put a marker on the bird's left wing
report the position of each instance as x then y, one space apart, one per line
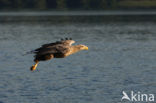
53 47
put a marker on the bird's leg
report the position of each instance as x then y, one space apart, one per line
34 66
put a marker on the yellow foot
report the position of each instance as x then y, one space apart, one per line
33 68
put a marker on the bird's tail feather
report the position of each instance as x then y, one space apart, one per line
29 52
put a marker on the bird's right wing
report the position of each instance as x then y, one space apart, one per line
66 42
57 49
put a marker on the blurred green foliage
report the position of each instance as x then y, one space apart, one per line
74 4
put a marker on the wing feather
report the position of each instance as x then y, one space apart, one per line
52 50
54 45
57 48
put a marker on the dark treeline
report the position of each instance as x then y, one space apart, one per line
66 4
56 4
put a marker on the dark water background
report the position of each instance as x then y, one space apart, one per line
121 56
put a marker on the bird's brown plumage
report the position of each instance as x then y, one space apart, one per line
59 49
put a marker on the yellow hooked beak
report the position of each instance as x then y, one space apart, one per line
85 48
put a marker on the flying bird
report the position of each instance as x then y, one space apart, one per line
59 49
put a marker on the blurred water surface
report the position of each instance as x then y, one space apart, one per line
121 56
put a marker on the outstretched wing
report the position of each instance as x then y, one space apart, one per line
56 47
